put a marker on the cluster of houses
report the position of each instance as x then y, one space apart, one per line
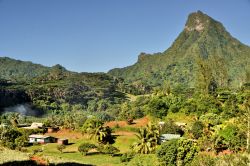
41 139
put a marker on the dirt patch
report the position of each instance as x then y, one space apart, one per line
125 133
137 123
66 133
38 160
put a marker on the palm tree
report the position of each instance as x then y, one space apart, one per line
148 139
104 135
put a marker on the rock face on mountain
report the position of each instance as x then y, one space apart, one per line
203 45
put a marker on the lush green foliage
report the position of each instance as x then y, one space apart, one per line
147 139
167 153
171 128
230 137
126 157
108 149
197 129
177 152
85 147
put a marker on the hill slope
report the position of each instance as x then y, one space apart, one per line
203 42
22 82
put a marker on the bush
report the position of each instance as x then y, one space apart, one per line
144 160
158 108
230 137
171 128
85 147
108 149
235 159
126 157
204 159
21 142
197 129
35 151
167 153
61 147
177 152
187 150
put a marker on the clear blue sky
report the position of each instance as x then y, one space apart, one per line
98 35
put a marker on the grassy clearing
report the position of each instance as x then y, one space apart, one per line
123 142
125 136
71 154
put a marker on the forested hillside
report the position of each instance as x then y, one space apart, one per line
204 53
22 82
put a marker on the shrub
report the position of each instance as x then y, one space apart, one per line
61 147
230 137
177 152
144 160
187 150
126 157
197 129
167 153
203 159
85 147
21 142
108 149
171 128
35 151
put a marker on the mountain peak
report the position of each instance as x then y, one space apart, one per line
197 21
204 39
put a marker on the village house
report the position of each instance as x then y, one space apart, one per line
42 139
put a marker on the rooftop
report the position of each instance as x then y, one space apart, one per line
39 136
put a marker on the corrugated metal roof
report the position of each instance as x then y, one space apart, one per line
39 136
169 136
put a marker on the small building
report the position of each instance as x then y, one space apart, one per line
63 141
167 137
42 139
52 129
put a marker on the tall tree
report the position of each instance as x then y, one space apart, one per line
147 139
204 76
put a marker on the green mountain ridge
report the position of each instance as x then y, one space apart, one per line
203 40
22 82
